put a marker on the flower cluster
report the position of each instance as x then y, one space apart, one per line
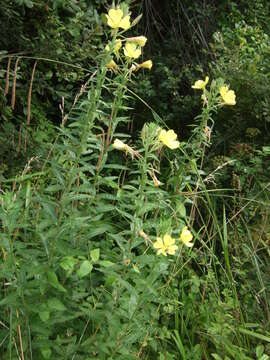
227 96
166 244
132 50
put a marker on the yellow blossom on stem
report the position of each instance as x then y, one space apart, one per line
165 245
132 51
116 19
112 65
186 237
120 145
201 84
138 40
168 138
228 96
146 64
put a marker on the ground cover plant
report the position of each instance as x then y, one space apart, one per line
121 244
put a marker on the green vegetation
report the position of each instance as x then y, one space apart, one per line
134 180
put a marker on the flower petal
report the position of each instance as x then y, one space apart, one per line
172 249
161 252
139 40
131 50
125 23
168 240
229 98
158 244
171 135
173 144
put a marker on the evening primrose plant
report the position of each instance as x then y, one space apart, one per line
213 96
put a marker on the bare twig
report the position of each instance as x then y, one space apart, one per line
14 84
7 76
30 94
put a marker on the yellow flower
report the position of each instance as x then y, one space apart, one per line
112 65
119 145
146 64
168 138
200 84
138 40
131 50
116 19
227 95
165 246
186 237
117 46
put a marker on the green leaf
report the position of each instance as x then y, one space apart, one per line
56 305
106 263
46 352
44 315
216 357
68 263
10 299
179 344
180 208
95 254
99 228
254 334
53 280
259 351
132 305
85 268
266 150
